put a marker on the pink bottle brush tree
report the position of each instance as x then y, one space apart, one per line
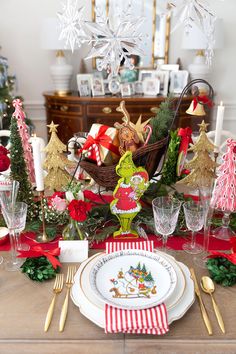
224 194
23 131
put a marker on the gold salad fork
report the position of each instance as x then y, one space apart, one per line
69 282
57 288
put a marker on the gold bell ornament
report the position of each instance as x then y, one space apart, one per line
196 111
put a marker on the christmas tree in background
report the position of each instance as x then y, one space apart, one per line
224 195
7 84
23 131
18 165
202 166
55 162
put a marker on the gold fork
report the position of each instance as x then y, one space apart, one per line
69 282
57 288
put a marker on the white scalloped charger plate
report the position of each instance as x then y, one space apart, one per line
133 279
93 308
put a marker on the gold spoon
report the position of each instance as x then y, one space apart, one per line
208 287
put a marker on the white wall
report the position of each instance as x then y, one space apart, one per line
20 22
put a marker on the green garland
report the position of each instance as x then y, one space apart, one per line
162 121
169 175
39 269
222 271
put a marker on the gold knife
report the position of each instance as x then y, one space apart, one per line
202 307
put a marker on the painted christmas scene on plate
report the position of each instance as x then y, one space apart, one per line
133 283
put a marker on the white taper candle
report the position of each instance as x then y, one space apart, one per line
42 146
219 124
37 164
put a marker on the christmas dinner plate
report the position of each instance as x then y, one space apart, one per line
133 279
93 308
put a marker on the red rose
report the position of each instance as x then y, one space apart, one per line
55 194
78 209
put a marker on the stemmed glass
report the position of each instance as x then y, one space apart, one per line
166 213
8 194
194 216
8 197
15 217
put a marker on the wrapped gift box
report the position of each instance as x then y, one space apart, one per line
102 145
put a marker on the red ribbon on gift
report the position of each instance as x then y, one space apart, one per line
38 251
186 138
203 100
100 139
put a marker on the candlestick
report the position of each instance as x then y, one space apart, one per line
38 169
219 124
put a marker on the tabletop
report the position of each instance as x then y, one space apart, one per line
24 305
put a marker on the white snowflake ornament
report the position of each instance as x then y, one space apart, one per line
113 42
72 25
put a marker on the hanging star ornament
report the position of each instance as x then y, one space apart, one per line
198 12
189 11
114 41
72 25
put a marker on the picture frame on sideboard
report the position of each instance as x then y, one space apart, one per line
84 82
163 77
178 80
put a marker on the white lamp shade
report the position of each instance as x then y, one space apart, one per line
50 33
196 39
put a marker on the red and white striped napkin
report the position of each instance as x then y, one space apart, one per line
148 321
118 246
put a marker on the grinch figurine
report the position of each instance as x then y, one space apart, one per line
129 189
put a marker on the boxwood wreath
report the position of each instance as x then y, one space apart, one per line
222 271
39 269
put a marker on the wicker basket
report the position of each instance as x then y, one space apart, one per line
148 156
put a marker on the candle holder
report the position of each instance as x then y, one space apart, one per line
43 237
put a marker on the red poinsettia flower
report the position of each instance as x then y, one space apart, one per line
78 209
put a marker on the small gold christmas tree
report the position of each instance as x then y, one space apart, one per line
55 161
202 166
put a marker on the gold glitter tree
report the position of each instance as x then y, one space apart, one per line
55 161
202 166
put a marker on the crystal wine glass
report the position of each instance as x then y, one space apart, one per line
194 216
8 197
8 194
15 217
166 213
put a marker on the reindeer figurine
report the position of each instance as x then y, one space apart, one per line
128 136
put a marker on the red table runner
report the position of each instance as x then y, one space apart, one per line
174 242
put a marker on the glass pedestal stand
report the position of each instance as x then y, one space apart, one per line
224 232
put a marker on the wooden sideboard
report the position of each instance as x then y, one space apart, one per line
77 114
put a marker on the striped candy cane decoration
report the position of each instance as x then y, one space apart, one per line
97 153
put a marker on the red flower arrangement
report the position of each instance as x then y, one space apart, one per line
78 209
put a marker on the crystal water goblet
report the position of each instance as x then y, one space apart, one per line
194 216
166 212
15 218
